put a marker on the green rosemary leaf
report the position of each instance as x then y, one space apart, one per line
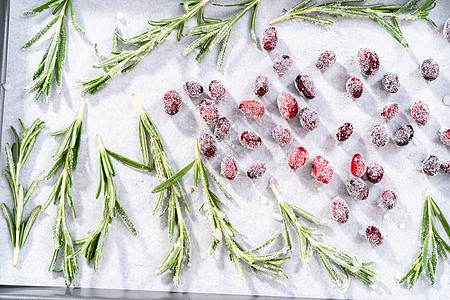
42 7
30 222
33 186
125 218
9 221
437 212
40 33
170 181
128 162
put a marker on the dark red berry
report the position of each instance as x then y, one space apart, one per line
229 167
261 85
404 135
354 87
375 172
305 86
269 39
252 109
322 170
250 140
287 105
389 111
388 199
445 137
358 165
207 145
222 128
367 61
217 90
256 169
446 29
283 135
297 158
445 166
193 88
344 132
172 102
429 69
282 64
420 112
339 210
209 111
380 135
390 82
431 165
358 189
326 60
309 119
374 236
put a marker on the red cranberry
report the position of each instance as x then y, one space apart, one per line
229 167
261 85
193 89
250 140
358 189
305 86
172 102
256 169
287 105
354 87
282 64
297 158
358 165
222 128
420 112
217 90
445 166
375 172
446 29
367 61
207 145
208 111
404 135
309 119
322 170
388 199
445 137
431 165
339 210
390 82
374 236
269 39
389 111
344 132
380 135
429 69
283 135
252 109
326 60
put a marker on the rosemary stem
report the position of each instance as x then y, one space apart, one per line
197 151
100 143
138 105
16 252
80 113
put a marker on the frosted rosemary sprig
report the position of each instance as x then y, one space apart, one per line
385 14
54 56
215 31
66 158
221 226
329 255
125 61
432 243
16 156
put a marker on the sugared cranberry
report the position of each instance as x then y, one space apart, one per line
390 82
229 167
358 189
207 145
326 60
261 85
209 111
217 90
429 69
269 39
339 210
322 170
367 61
445 166
344 132
445 137
380 135
358 165
374 236
256 169
305 86
431 165
404 135
446 29
297 158
283 135
250 140
252 109
309 119
172 102
287 105
193 89
388 199
389 111
222 128
354 87
282 64
420 112
375 172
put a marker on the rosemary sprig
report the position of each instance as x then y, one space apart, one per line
379 12
432 243
66 158
221 226
215 31
54 56
16 156
346 263
125 61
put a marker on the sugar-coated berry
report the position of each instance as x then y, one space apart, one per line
358 189
388 199
282 64
420 112
389 111
446 30
375 172
339 210
287 105
367 61
283 135
209 111
429 69
250 140
390 82
193 89
305 86
380 135
252 109
445 166
269 39
354 87
404 135
297 158
358 165
256 169
309 119
431 165
322 170
374 236
326 60
344 132
229 167
207 145
222 128
261 85
445 137
172 102
217 90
